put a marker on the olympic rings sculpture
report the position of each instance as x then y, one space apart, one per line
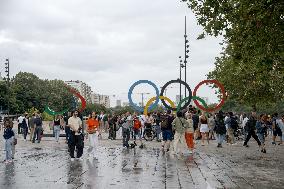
154 98
192 96
74 92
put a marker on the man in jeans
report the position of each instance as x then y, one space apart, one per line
251 128
32 126
126 124
38 128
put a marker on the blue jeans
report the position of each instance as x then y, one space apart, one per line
56 129
8 148
220 138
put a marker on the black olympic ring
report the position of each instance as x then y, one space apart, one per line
181 82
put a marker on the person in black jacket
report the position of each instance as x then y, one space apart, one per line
250 128
220 128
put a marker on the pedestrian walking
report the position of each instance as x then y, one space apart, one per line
38 128
189 133
232 125
179 126
167 131
211 127
15 130
32 126
9 140
20 122
126 123
92 129
220 128
158 126
25 127
204 129
112 127
261 126
195 119
251 128
277 124
136 129
57 127
76 138
67 128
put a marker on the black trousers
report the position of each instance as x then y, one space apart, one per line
252 134
112 132
78 142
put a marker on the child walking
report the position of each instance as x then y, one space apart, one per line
9 140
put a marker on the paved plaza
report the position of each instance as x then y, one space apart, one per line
47 165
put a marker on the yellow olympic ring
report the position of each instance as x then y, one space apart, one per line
154 98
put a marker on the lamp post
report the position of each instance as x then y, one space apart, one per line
186 51
7 70
180 67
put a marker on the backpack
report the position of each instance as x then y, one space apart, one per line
137 124
220 127
234 123
164 121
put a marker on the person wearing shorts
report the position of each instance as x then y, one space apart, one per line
167 131
204 129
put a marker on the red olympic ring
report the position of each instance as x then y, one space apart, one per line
222 99
83 101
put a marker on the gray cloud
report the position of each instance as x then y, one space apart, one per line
108 44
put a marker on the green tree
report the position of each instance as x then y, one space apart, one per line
251 66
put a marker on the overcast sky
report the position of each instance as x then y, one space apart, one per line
109 44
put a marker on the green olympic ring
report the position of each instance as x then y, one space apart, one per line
193 98
54 113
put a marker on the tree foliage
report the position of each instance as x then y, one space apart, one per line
251 66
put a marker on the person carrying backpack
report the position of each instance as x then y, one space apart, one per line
232 125
167 132
220 128
277 124
38 129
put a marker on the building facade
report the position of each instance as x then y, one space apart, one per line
84 89
100 99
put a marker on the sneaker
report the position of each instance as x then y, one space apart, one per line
245 145
72 159
190 152
234 144
25 140
264 151
274 143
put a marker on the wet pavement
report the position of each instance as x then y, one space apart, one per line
47 165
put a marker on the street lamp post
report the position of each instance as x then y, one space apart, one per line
186 51
7 70
180 67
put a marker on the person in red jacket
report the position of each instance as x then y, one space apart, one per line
136 128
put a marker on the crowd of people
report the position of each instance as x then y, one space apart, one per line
178 132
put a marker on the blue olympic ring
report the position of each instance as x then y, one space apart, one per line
138 108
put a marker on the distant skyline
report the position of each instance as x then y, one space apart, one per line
107 44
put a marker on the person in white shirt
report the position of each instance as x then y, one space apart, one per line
20 122
76 136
